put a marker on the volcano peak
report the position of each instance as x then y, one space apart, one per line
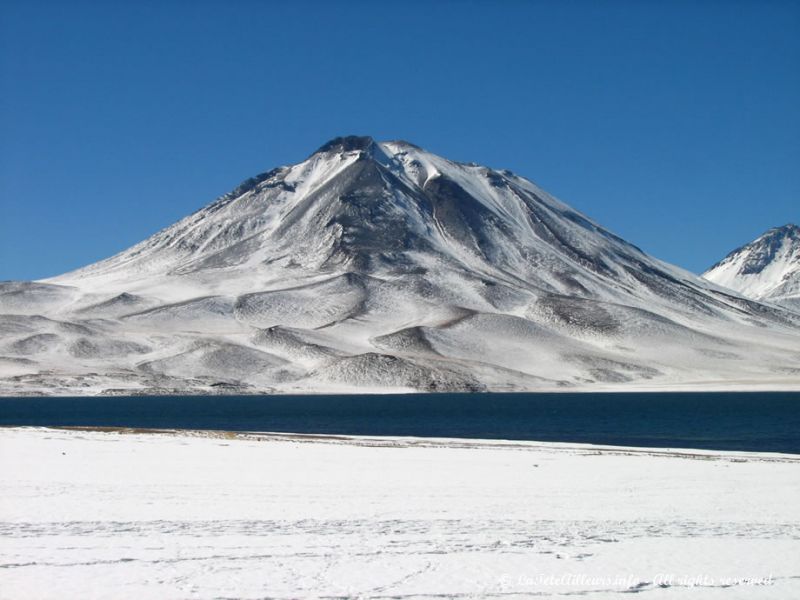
347 143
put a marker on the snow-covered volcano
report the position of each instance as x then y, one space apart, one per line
380 266
768 268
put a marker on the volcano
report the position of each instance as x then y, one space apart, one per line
379 266
768 268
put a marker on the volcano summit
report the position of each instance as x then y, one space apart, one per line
766 269
378 266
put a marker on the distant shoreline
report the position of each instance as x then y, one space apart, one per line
756 388
418 442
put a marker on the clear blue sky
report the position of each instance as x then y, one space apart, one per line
674 124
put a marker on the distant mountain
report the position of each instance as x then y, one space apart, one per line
379 266
767 268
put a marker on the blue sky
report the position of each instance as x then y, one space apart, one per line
674 124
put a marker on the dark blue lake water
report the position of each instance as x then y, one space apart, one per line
755 421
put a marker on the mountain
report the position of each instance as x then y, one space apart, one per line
379 266
767 268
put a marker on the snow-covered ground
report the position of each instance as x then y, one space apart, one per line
90 514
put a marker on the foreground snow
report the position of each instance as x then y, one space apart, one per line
88 514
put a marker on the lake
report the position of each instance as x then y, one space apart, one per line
751 421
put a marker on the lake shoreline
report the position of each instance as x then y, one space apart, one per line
433 443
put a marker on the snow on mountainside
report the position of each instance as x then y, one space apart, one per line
767 268
381 266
